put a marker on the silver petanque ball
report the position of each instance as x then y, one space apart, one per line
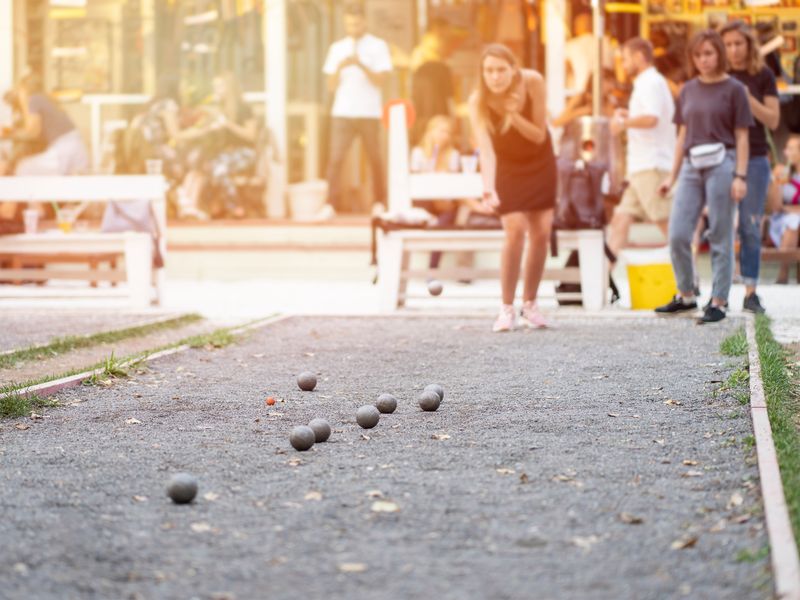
368 416
182 488
429 401
386 403
435 287
436 388
321 429
307 381
302 437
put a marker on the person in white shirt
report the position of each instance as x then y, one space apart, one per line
356 67
651 143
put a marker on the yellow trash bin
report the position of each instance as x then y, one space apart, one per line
651 285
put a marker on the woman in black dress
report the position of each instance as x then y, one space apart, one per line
507 112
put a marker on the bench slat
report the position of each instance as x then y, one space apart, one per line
79 188
115 276
565 275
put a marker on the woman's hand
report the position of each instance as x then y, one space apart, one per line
512 102
779 174
490 200
738 189
666 186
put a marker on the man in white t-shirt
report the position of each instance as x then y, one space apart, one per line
356 67
651 144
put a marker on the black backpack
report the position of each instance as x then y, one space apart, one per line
580 199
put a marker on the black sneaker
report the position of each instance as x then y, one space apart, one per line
676 305
752 303
712 314
708 304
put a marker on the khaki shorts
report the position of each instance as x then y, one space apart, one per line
641 199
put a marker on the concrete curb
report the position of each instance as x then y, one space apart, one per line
56 385
783 548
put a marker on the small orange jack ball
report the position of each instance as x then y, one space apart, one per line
270 401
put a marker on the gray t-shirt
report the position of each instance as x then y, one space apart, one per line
55 121
712 111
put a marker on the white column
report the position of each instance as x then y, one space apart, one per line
555 70
6 55
275 48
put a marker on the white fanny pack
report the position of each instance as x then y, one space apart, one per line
706 156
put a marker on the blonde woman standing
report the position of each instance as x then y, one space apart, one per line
507 112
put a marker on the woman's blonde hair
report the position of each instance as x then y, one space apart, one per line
428 146
503 53
754 60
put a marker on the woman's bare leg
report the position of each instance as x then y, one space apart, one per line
539 223
514 226
788 242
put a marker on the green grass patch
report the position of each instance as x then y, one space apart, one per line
748 556
735 344
783 407
216 339
63 345
17 405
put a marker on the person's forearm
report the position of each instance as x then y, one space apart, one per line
488 163
742 151
528 129
374 77
765 114
641 122
245 132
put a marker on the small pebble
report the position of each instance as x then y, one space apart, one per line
429 401
302 437
307 381
368 416
435 387
321 428
435 287
182 488
386 403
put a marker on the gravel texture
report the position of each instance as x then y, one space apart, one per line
526 483
23 328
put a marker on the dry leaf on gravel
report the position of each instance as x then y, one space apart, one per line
585 543
504 471
314 495
736 500
630 519
201 527
613 414
660 442
259 355
140 498
687 541
743 518
36 417
352 567
440 436
22 426
692 473
210 496
293 462
672 402
689 463
365 437
374 494
524 478
707 434
718 526
384 506
132 421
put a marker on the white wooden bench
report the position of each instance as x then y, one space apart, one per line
395 246
144 283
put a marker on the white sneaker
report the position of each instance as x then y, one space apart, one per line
326 213
531 317
505 320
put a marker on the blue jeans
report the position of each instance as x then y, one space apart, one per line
698 188
751 213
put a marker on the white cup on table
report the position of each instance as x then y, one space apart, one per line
30 217
469 163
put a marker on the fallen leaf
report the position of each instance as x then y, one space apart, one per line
736 500
374 494
201 527
259 355
630 519
600 377
689 463
309 354
524 478
585 543
293 462
386 506
365 437
672 402
22 426
352 567
313 496
708 434
687 541
743 518
660 442
692 473
613 414
504 471
210 496
36 417
440 436
132 421
718 526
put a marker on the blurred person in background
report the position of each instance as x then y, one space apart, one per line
784 222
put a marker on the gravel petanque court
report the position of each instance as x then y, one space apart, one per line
593 460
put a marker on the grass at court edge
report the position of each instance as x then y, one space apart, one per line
782 389
63 345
